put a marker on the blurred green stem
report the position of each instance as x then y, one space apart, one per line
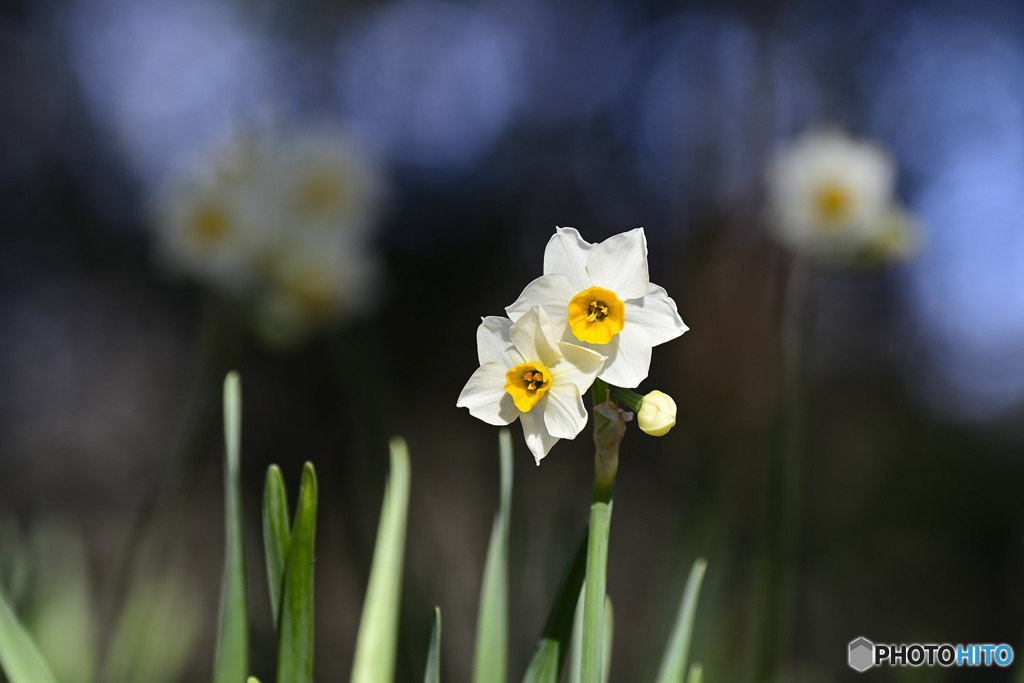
780 536
217 350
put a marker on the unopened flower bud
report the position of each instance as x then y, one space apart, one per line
657 414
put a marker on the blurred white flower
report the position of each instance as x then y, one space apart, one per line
311 284
281 222
831 197
526 373
212 229
328 181
600 295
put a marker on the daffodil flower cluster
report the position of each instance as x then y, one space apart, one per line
279 222
831 197
593 314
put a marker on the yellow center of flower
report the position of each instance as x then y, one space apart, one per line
315 297
322 191
210 226
832 204
526 384
596 315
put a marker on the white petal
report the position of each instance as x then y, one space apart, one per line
486 398
538 439
566 253
657 314
630 361
579 366
493 344
564 414
620 264
534 338
552 293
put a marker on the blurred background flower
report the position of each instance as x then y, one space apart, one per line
497 121
281 222
831 198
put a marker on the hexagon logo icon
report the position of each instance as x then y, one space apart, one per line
862 654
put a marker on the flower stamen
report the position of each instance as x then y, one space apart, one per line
596 315
526 383
832 204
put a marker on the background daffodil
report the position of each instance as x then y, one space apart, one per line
831 197
600 295
526 373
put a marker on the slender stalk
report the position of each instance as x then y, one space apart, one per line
609 428
217 349
595 591
785 478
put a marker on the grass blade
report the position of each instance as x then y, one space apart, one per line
549 655
232 658
594 595
696 673
295 632
606 645
673 666
490 663
433 674
19 656
576 652
374 660
276 537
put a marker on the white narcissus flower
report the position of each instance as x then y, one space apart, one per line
600 296
526 373
831 197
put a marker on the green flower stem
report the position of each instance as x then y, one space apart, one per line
609 428
217 351
595 591
783 502
628 398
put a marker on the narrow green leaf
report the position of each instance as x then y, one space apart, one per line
490 663
576 653
232 658
594 595
576 646
19 656
673 665
433 674
295 631
253 679
374 660
549 655
276 536
606 645
696 673
156 631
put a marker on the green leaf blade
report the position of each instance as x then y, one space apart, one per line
673 664
550 654
232 657
433 673
19 656
295 629
276 537
374 660
490 662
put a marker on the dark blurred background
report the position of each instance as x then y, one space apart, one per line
497 121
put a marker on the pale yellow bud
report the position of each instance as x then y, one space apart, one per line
657 414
